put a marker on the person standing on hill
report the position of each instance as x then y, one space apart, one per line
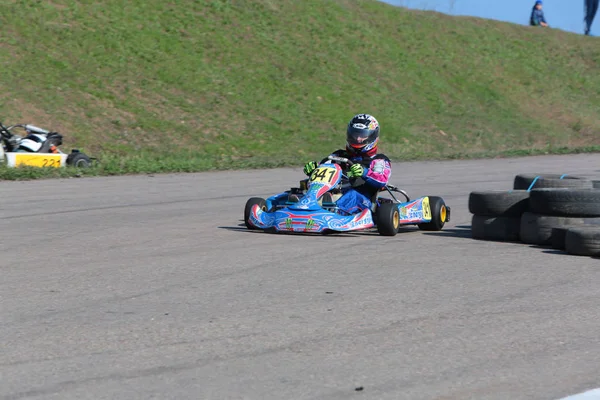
537 15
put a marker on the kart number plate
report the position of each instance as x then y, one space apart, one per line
426 209
36 160
323 175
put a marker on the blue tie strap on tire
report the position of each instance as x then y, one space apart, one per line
538 181
533 183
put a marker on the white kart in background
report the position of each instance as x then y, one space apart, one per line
37 148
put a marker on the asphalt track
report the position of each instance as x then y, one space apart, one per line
148 287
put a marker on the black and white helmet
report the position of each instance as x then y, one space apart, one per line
362 135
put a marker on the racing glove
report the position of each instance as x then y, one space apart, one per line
356 171
310 167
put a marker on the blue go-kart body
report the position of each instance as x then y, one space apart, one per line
311 208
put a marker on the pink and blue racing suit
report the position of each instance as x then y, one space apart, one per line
377 171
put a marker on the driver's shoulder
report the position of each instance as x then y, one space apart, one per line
381 156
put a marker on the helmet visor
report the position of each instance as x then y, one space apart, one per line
358 138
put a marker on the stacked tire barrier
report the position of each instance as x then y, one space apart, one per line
554 210
497 214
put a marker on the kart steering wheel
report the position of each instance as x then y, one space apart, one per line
340 160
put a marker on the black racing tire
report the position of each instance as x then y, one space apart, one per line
524 181
557 238
439 214
501 229
565 202
583 242
388 219
496 203
537 229
248 208
79 160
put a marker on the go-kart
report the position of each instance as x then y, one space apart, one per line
312 207
39 147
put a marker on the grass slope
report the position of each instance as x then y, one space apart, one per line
153 85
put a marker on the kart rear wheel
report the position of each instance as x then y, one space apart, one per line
439 214
79 160
388 219
248 209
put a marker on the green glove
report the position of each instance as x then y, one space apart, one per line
356 171
310 167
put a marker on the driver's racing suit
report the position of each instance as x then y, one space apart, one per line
377 171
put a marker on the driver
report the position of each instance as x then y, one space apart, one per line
370 171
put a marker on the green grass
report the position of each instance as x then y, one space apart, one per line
156 86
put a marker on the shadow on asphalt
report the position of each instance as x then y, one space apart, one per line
464 231
547 249
561 252
459 231
552 251
371 232
239 227
242 228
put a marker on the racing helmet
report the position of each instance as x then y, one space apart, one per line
362 135
31 143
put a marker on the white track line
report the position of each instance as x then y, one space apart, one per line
589 395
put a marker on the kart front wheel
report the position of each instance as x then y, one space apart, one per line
388 219
248 209
439 215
